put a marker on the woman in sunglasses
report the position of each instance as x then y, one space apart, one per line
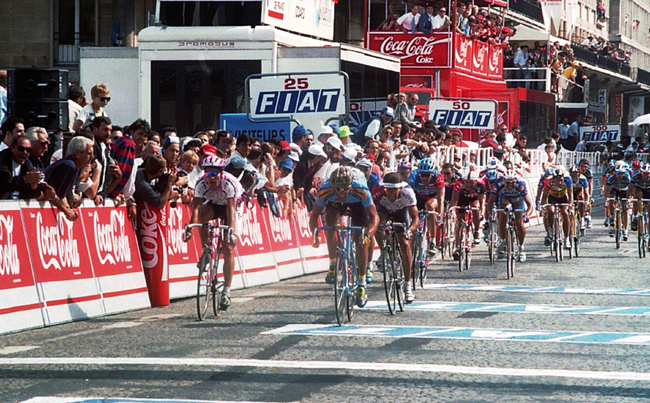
216 196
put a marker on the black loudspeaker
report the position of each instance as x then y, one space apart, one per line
37 84
52 115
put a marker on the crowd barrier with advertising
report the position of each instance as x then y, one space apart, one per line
53 270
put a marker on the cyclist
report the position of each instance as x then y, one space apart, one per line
429 187
580 193
583 167
558 189
639 188
216 196
341 195
451 177
509 190
603 181
636 169
396 201
404 170
616 187
469 191
540 187
489 179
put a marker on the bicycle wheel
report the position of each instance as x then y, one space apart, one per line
461 255
204 284
341 287
570 237
510 254
451 241
217 286
417 259
399 276
468 248
491 240
640 234
353 277
617 230
389 280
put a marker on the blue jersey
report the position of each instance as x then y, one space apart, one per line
359 193
587 173
373 180
581 183
499 189
639 183
436 183
619 184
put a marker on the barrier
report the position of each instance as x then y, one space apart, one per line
254 251
20 306
313 260
151 231
284 244
181 256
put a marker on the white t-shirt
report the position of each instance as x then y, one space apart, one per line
408 20
87 114
73 111
406 199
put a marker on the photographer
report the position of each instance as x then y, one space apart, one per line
153 168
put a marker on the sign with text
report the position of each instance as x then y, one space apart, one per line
465 114
297 95
238 123
601 133
308 17
414 49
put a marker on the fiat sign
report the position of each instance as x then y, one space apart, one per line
463 113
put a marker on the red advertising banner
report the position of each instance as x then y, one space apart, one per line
181 256
151 228
480 58
20 307
414 49
495 64
416 81
284 244
463 53
315 260
254 247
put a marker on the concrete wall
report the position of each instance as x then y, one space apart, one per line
26 32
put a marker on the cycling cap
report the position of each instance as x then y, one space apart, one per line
621 168
646 169
548 172
404 165
583 162
392 181
574 171
493 163
510 175
214 162
341 178
426 165
470 175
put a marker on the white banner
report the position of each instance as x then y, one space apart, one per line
465 114
601 133
308 17
637 106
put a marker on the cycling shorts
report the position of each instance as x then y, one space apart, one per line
558 200
422 200
400 216
622 193
357 212
516 201
220 211
465 201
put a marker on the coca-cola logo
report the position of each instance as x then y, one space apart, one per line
111 242
303 223
415 46
251 230
9 262
175 230
415 85
150 237
494 60
479 57
280 227
463 47
56 245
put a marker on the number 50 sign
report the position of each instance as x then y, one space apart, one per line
296 96
463 113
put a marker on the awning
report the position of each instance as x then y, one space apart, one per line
527 34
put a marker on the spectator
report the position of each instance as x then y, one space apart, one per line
573 134
300 136
390 23
409 21
18 178
521 143
402 113
577 94
153 168
243 147
371 128
426 22
151 149
441 22
191 144
563 128
171 153
521 62
489 141
76 101
127 148
100 97
223 141
109 170
11 128
566 81
582 145
40 141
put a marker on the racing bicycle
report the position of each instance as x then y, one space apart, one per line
421 258
391 257
642 229
466 242
511 240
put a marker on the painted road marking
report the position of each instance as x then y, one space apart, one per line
331 365
16 349
561 290
440 306
50 399
467 333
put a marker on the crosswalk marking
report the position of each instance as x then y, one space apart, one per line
441 306
552 336
562 290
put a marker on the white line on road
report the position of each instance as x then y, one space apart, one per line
333 365
16 349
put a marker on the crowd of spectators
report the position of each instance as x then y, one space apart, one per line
606 48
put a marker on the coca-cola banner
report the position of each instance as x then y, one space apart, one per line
284 243
61 264
480 58
463 53
254 247
416 81
151 230
414 49
314 259
495 64
115 258
182 256
19 304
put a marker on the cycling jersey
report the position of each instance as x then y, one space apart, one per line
587 173
556 191
542 180
228 188
406 199
359 193
449 186
639 183
519 190
436 183
619 184
466 193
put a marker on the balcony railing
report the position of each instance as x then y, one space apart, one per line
606 62
528 8
643 76
66 54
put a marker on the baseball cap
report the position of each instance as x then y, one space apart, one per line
344 131
364 162
316 150
299 132
350 154
388 111
224 134
294 156
285 145
335 129
325 130
208 149
286 163
191 141
335 142
171 140
237 162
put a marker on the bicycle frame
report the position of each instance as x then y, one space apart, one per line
511 239
466 226
618 223
393 267
642 229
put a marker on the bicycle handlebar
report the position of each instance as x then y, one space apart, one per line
339 228
556 205
208 226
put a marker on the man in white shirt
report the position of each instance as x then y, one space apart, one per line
440 22
409 21
563 128
76 101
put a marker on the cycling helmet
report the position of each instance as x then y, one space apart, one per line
493 163
426 165
491 174
612 163
583 162
636 164
213 162
510 175
404 165
548 172
558 172
341 178
470 175
645 169
621 168
574 171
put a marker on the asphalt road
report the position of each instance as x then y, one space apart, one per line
559 336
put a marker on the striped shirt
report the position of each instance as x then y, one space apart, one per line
123 152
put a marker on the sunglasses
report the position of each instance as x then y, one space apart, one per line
105 99
341 189
426 175
22 149
212 173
